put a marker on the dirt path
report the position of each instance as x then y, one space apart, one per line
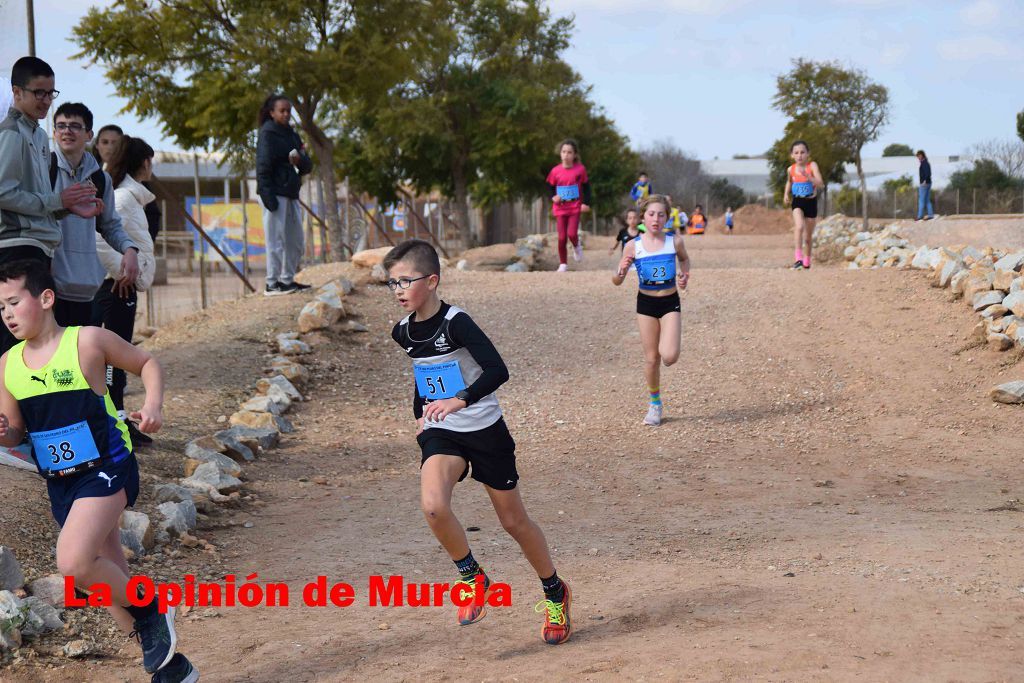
813 509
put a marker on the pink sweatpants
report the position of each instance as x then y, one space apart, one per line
568 226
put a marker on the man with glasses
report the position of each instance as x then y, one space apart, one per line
76 267
29 207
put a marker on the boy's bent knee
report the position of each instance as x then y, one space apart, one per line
435 509
670 359
76 564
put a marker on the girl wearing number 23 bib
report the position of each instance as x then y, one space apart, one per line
570 196
662 268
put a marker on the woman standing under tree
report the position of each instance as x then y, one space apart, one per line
281 160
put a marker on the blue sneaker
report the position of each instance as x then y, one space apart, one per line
158 640
179 670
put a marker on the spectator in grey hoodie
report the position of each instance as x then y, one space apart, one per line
76 266
29 208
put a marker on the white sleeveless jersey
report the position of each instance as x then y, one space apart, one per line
442 367
656 270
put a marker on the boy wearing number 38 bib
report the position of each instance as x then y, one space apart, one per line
54 392
457 370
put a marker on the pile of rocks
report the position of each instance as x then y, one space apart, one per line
26 611
989 280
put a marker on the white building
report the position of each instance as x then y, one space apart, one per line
752 174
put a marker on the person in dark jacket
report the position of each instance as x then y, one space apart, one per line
924 190
281 160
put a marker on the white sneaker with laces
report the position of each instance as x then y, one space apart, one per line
563 268
653 416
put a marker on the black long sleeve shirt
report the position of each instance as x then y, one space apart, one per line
462 331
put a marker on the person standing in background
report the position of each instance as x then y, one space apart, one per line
107 142
115 304
29 208
924 189
281 161
76 265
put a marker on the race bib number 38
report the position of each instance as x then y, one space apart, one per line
59 449
441 380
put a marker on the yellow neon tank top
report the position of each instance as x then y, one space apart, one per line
71 428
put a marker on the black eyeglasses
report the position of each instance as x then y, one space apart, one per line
403 283
73 127
42 94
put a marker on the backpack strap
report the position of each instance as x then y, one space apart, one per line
53 170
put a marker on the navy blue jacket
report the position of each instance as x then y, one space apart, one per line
275 174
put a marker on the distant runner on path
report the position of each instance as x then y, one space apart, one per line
803 180
570 195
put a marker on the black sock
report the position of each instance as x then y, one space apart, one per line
468 567
143 612
554 589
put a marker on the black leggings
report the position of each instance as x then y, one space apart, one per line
117 315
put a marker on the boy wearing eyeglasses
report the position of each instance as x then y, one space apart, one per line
29 207
460 426
76 267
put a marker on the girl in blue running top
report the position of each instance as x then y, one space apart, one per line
662 268
803 180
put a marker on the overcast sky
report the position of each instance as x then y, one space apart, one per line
702 72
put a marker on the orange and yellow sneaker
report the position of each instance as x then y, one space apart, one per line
472 613
557 624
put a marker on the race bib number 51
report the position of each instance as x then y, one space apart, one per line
441 380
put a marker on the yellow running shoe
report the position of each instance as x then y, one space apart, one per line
557 625
472 612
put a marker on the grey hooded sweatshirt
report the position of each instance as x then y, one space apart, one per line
76 265
27 204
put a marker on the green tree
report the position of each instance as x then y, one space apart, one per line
898 149
482 114
845 100
203 68
725 193
1020 125
901 185
985 175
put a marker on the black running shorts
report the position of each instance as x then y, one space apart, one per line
657 306
809 205
490 451
95 483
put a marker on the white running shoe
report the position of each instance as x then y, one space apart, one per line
577 252
562 268
653 417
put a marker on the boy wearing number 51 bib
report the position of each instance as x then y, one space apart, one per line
457 370
54 392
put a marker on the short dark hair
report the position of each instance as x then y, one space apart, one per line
641 173
800 142
419 253
36 273
69 109
27 68
921 153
